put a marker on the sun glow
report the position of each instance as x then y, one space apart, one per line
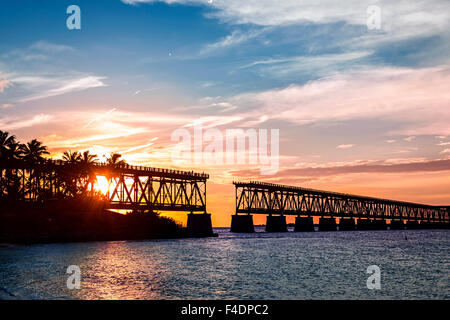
102 184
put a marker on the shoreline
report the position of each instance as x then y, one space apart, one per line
84 220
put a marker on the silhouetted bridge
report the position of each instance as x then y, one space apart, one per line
129 187
277 201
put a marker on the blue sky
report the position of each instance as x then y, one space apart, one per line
187 46
342 94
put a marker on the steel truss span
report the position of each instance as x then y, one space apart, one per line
267 198
129 187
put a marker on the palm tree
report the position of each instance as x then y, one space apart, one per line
113 160
88 158
13 151
69 174
33 151
87 173
5 141
71 157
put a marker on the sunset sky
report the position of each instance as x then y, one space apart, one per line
359 110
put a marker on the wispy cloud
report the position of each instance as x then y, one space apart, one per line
38 52
15 123
418 98
139 147
114 129
367 167
4 83
98 118
40 70
233 39
45 46
325 64
40 87
345 146
400 19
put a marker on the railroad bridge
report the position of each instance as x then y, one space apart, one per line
277 201
129 187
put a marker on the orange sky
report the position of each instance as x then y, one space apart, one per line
380 169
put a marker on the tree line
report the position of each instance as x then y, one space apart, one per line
34 151
78 168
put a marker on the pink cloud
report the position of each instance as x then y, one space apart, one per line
4 83
418 98
363 167
345 146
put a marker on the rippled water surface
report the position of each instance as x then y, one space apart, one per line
321 265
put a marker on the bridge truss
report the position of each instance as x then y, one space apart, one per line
129 187
267 198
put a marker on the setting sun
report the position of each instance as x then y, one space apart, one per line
102 184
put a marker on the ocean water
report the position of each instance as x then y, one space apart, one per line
414 264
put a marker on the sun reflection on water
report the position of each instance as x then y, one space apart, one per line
116 270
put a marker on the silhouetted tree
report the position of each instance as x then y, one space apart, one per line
13 151
114 160
5 141
76 175
33 151
10 149
87 161
88 158
71 157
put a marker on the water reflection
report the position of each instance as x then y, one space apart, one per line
320 265
123 270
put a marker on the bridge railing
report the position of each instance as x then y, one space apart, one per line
21 164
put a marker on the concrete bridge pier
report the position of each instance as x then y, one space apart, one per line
427 225
199 225
431 225
327 224
347 224
439 225
364 224
412 225
242 223
303 224
379 225
443 225
276 224
397 225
